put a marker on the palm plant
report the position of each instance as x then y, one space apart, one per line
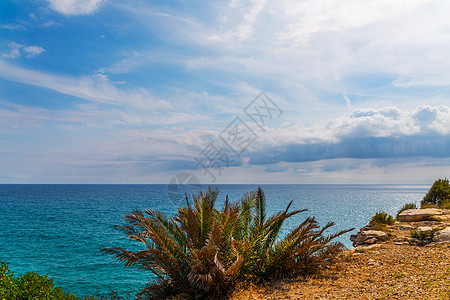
205 251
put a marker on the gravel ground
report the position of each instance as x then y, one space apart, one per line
387 271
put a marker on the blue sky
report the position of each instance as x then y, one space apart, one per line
109 91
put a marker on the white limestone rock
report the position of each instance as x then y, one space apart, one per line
417 215
442 235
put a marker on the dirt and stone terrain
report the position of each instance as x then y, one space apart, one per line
407 260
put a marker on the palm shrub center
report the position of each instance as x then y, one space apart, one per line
203 250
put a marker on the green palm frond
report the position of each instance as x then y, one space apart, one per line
242 229
204 251
259 215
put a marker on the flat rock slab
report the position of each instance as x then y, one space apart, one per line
425 229
443 218
368 237
361 249
417 215
442 235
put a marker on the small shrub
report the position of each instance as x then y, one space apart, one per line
438 194
29 286
382 217
445 204
205 252
7 286
405 207
428 205
398 275
421 235
377 226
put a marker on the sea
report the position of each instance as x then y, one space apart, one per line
59 229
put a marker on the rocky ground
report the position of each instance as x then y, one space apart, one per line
389 262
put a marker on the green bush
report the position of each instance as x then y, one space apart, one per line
203 251
438 194
29 286
405 207
445 204
382 217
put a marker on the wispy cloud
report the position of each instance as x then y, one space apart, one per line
75 7
16 50
96 87
13 26
33 50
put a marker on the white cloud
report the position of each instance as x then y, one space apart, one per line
13 26
16 50
385 122
239 26
33 50
96 87
393 122
75 7
318 45
384 135
110 105
433 120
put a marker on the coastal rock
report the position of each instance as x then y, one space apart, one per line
442 235
368 237
370 241
424 232
401 240
417 215
443 218
366 228
404 227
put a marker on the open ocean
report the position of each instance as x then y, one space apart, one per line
59 229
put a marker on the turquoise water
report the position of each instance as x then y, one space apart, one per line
59 229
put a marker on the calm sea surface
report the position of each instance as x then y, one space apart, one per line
59 229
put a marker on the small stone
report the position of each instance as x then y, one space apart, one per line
365 247
370 241
443 218
442 243
414 241
424 229
368 237
372 262
366 228
400 239
404 227
401 243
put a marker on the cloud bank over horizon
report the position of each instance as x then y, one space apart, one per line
367 133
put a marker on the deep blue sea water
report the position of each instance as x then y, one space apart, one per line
59 229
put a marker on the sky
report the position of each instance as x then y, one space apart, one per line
115 91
